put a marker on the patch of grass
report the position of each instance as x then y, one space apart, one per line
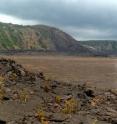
23 95
46 85
70 106
58 99
95 121
41 116
13 77
2 91
2 80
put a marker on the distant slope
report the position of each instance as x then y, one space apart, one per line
107 46
38 37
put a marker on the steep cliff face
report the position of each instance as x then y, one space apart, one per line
101 45
38 37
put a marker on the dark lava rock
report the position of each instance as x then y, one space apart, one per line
2 122
14 72
89 93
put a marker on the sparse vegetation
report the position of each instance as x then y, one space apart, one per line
41 116
58 99
23 95
46 85
2 79
43 38
95 121
59 102
2 91
70 106
13 77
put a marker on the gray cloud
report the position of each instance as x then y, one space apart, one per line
84 19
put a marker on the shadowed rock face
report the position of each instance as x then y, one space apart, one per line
13 72
39 37
105 46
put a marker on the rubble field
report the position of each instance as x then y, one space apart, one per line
32 98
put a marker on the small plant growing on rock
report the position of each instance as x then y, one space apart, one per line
13 77
24 95
70 106
41 116
95 121
2 91
46 85
58 99
2 79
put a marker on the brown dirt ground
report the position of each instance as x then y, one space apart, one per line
29 98
100 72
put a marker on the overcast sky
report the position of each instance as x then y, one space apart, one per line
83 19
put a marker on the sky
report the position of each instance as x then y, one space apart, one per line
83 19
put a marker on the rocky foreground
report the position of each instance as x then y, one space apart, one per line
31 98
